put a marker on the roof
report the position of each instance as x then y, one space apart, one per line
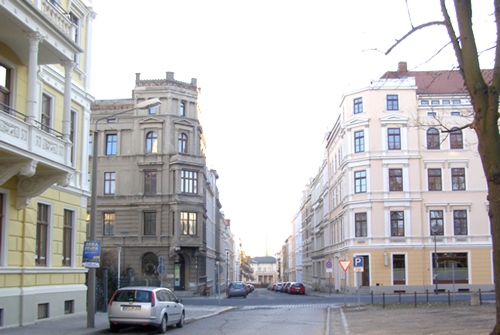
435 82
266 259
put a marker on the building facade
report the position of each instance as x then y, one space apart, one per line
153 183
264 270
403 194
45 111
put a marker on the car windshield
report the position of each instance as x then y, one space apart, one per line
237 285
133 295
297 285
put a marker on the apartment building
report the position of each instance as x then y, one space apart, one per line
264 270
45 111
152 202
406 187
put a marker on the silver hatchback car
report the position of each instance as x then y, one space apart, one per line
145 306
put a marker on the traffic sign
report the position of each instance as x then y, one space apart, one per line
161 269
344 264
328 265
161 260
358 264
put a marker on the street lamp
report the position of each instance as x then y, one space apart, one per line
227 267
434 230
93 211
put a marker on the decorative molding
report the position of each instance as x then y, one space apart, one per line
29 187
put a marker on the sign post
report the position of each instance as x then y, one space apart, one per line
329 270
358 269
161 269
344 264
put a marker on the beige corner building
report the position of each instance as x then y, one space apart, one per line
152 180
44 125
401 187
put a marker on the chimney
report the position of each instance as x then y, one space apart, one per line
137 78
194 82
170 76
402 69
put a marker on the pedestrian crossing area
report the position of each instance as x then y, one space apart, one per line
246 308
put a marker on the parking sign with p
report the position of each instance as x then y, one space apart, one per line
358 264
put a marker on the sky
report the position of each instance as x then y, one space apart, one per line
272 74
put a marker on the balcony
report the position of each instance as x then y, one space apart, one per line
35 153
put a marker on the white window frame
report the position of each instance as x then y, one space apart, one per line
50 232
4 260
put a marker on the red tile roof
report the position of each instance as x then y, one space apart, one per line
435 82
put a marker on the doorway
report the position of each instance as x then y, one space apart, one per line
179 273
366 271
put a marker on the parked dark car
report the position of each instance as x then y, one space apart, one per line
286 287
145 306
270 286
297 288
237 289
251 287
278 287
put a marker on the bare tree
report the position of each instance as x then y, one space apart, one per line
484 98
245 267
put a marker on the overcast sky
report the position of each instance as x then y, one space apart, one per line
272 74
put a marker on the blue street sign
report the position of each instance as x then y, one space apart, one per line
161 269
357 262
161 260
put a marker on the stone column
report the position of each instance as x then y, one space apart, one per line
31 103
88 49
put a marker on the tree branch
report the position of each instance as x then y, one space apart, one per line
428 24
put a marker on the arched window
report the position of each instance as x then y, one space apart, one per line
149 265
151 142
433 139
456 139
183 139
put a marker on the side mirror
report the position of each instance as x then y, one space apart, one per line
179 300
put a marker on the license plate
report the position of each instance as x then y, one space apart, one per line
131 308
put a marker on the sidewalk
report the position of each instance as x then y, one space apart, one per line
77 325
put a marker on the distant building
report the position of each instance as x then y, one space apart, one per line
264 270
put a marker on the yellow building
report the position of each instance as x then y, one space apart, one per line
44 127
406 188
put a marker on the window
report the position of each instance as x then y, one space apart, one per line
458 179
448 261
152 110
4 85
359 141
360 222
76 21
151 143
395 179
189 181
2 218
455 113
182 143
109 224
424 102
109 183
182 109
434 179
392 103
111 120
150 223
436 218
456 139
460 222
431 113
358 105
360 181
435 102
111 144
46 112
397 223
149 182
67 237
188 223
42 227
457 102
90 144
433 139
446 102
72 126
394 139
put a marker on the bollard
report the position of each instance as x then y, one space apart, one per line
474 299
383 300
427 293
449 301
415 299
480 297
372 297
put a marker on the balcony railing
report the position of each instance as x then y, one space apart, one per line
9 110
53 11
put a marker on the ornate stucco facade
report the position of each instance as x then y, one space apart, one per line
44 116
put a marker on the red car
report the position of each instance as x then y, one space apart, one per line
297 288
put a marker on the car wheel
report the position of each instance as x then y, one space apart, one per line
163 325
180 324
245 296
114 328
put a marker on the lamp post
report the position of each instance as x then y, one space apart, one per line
93 211
434 230
227 267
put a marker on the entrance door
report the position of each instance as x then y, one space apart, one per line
398 269
366 271
179 270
